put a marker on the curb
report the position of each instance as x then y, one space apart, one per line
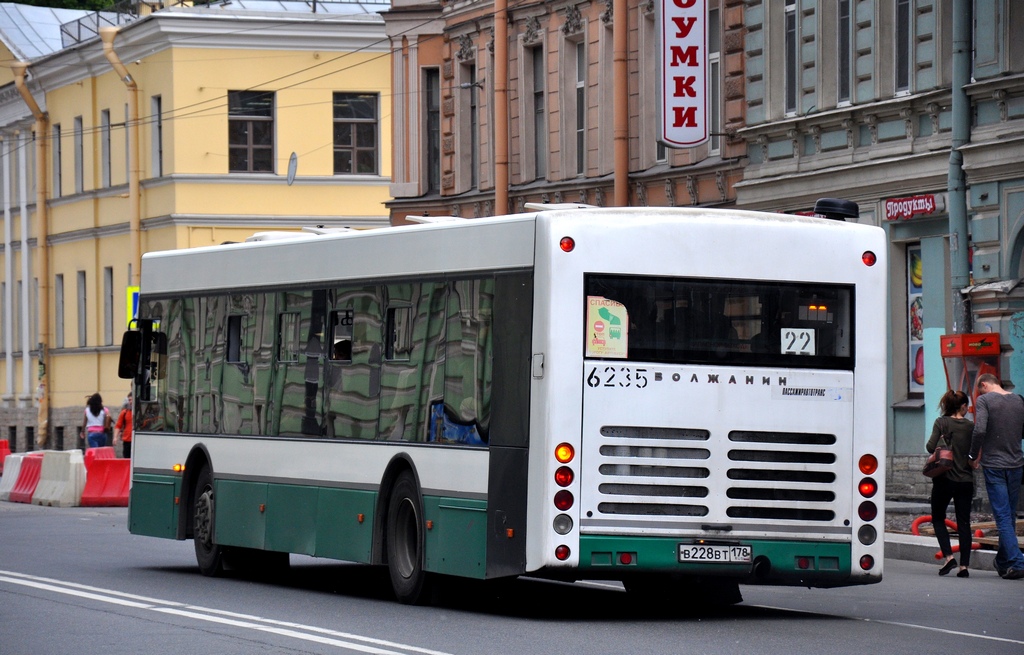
923 548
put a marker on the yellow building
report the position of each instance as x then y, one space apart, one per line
169 128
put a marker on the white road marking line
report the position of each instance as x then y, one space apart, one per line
895 623
281 628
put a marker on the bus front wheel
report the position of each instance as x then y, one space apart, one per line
209 555
405 542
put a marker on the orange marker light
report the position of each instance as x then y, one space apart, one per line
564 453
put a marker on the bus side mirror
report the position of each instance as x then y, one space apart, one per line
131 352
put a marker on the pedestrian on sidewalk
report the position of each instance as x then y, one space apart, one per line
996 445
957 484
96 423
123 427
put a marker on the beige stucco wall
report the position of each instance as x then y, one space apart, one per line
196 201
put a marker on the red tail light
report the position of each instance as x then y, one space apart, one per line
867 487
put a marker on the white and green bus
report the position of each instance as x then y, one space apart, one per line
670 397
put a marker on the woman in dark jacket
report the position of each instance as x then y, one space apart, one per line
957 484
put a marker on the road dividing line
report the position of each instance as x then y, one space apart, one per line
895 623
245 621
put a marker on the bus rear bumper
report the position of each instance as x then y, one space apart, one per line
772 562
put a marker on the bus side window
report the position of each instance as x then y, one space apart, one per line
341 335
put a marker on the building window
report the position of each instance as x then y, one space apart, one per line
58 311
251 131
844 56
432 113
79 156
289 341
341 322
355 133
540 130
792 48
105 147
903 34
108 306
127 148
83 319
581 107
56 161
474 129
714 81
157 135
234 344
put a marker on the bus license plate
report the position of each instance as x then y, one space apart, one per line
714 553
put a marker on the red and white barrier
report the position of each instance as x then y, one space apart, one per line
28 478
107 484
61 479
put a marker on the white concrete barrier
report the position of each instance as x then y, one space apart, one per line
61 479
12 467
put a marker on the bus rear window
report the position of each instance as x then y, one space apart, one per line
733 322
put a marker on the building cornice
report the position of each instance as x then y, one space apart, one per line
169 29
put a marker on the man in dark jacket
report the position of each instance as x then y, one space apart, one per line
996 441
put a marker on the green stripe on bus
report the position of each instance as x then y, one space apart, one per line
152 509
456 537
824 560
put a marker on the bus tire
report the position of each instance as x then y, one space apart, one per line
209 555
404 541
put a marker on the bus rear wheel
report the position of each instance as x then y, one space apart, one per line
405 542
209 555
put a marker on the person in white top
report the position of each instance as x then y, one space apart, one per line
96 422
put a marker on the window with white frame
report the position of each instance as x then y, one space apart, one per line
714 81
105 148
156 130
903 39
844 52
83 319
474 128
356 119
108 305
251 131
581 107
540 130
792 70
432 131
57 164
79 156
58 311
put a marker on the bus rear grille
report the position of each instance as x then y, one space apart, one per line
674 472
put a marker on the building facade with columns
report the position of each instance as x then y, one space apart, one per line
550 112
162 128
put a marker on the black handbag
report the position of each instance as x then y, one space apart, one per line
941 459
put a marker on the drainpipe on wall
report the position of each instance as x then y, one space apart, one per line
957 182
19 68
500 107
107 34
620 108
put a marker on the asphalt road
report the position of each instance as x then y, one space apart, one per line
72 580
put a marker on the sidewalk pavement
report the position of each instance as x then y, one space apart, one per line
923 548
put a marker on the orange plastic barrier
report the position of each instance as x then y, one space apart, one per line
28 478
106 485
5 450
93 454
